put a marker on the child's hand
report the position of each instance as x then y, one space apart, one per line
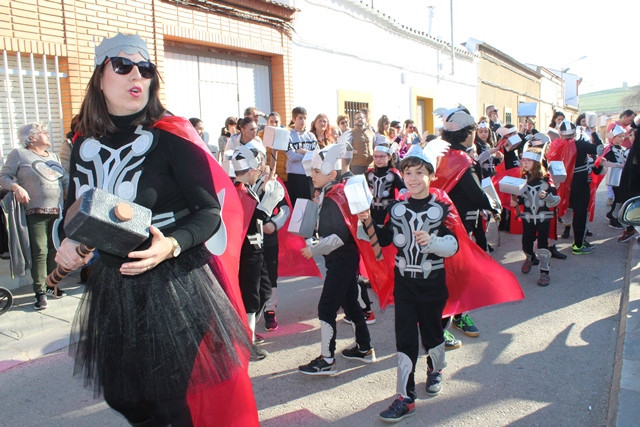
306 252
422 237
514 202
543 194
269 228
363 216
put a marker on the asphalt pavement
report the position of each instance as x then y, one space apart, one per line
568 354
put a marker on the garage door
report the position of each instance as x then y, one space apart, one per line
215 87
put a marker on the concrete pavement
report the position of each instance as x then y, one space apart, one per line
624 407
27 335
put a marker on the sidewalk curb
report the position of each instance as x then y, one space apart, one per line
29 334
625 384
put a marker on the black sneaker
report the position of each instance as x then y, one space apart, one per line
567 232
434 382
354 353
41 301
319 366
555 253
270 322
51 292
369 318
400 409
614 223
257 353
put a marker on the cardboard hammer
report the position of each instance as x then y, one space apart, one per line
359 197
103 221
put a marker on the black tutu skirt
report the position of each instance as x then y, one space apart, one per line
137 337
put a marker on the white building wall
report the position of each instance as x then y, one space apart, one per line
550 93
340 45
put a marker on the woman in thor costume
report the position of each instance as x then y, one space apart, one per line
158 333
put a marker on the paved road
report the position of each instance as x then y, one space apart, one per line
547 360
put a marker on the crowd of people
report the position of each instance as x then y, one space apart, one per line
480 153
170 328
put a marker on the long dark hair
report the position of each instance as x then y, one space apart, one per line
94 120
490 141
555 116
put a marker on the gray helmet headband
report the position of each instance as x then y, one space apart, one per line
130 44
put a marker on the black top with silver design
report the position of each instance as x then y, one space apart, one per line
407 216
537 209
383 183
119 163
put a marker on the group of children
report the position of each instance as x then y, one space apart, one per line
425 226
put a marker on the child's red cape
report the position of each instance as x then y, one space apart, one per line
291 263
515 224
474 279
230 403
565 151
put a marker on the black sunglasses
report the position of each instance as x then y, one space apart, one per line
123 66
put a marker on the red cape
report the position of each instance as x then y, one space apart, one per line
378 271
451 166
213 406
595 182
474 279
565 151
515 224
248 203
291 263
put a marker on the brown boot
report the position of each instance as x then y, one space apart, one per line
544 279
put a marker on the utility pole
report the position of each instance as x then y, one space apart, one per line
453 57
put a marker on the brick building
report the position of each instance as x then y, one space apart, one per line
215 57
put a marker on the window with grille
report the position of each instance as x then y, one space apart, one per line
507 117
30 91
352 107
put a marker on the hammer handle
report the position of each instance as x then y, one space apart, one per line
371 232
60 272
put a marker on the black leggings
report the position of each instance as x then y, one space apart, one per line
340 289
579 202
413 316
254 281
299 186
529 233
480 236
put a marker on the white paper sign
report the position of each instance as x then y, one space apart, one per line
557 171
276 138
303 218
512 185
358 194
